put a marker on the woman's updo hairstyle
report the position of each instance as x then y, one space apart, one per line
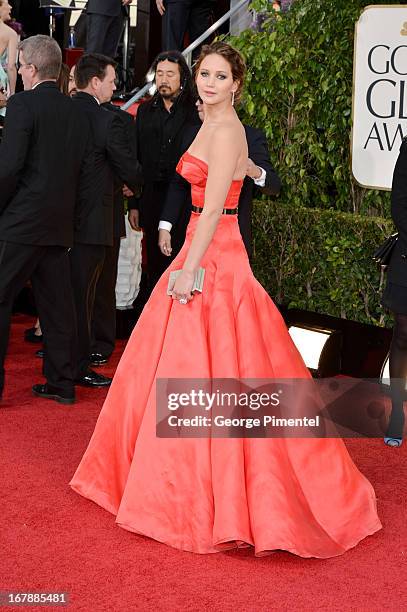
234 59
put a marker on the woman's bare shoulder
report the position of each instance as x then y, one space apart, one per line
225 131
220 141
12 34
228 146
7 34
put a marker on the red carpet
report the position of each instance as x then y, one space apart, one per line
53 540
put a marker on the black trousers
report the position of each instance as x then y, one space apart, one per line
104 33
181 16
151 204
48 269
157 263
103 336
86 265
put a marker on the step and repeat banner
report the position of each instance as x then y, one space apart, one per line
379 94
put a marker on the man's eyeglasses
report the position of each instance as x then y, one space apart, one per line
20 65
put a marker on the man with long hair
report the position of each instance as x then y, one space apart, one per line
160 124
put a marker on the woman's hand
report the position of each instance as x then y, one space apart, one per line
134 219
164 242
252 170
127 192
160 6
183 286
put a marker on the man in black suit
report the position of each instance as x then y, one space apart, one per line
43 165
104 315
105 20
112 155
177 207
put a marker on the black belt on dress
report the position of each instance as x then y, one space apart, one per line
225 211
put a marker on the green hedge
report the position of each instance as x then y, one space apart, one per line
320 260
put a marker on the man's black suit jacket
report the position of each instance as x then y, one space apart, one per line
177 207
111 8
43 167
119 228
112 156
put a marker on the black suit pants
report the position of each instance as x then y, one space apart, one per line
86 265
181 16
48 269
157 263
104 310
104 33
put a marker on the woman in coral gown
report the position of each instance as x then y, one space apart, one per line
205 495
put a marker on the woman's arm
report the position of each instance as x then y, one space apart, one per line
223 156
11 61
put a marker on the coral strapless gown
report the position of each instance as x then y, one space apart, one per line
305 496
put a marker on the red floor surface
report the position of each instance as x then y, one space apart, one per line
54 540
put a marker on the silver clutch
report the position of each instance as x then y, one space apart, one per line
198 280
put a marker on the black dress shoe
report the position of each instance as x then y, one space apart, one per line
98 359
40 353
30 336
93 379
63 397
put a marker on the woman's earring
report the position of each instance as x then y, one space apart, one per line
233 98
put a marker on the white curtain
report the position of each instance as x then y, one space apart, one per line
129 268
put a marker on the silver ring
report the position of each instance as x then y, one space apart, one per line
183 300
